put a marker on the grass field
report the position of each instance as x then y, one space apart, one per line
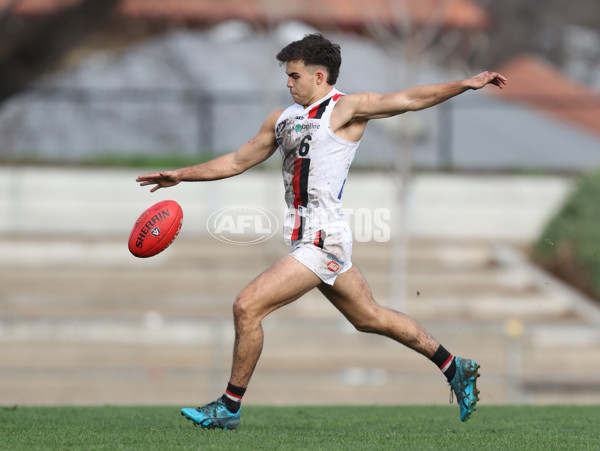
304 428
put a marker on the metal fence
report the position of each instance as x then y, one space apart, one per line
471 132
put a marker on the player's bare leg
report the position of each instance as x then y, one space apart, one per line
352 296
279 285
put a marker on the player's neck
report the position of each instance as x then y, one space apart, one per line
319 94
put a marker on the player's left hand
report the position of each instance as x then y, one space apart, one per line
487 78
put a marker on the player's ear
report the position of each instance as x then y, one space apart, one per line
321 76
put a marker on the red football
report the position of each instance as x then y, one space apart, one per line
156 229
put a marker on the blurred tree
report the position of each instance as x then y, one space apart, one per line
411 44
35 47
519 26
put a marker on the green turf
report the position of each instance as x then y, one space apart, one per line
304 428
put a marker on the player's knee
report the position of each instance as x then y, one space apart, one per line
364 326
243 309
369 321
240 308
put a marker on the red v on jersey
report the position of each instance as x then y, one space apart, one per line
317 111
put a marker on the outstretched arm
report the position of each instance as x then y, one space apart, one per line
255 151
368 105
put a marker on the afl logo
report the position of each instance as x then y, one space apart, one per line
242 224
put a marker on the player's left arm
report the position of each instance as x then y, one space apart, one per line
368 105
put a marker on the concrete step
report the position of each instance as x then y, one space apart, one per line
90 278
99 326
176 362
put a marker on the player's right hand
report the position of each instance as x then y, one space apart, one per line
162 179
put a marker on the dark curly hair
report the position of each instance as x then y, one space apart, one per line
314 50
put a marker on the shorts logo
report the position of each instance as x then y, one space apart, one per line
155 231
333 266
331 257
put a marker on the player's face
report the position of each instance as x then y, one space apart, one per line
301 81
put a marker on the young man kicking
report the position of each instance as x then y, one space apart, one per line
317 138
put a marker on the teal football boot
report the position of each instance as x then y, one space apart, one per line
464 386
213 416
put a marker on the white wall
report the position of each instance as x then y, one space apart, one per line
47 201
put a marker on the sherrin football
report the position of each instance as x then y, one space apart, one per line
156 229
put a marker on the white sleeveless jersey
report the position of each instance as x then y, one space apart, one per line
315 166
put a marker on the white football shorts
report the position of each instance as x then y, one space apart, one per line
328 255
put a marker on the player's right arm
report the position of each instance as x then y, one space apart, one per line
253 152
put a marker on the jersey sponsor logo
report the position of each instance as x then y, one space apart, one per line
307 127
